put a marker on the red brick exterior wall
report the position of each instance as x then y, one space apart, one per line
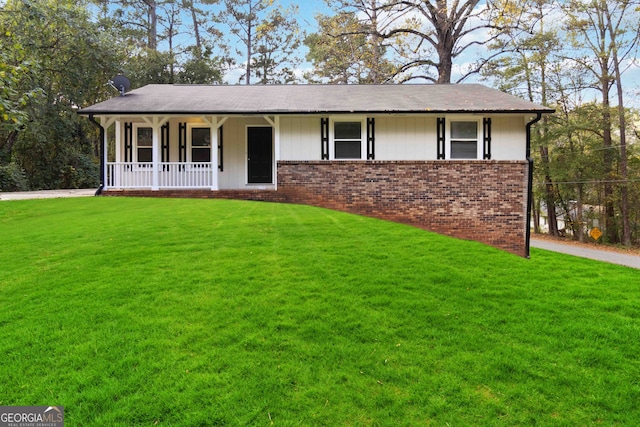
484 201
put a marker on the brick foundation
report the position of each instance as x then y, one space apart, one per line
259 195
484 201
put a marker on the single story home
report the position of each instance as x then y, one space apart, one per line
454 159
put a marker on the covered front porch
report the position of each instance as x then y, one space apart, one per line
180 152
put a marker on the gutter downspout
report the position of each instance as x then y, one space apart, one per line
530 185
102 177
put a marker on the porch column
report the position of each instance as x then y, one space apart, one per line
275 122
214 124
105 122
214 153
155 151
118 148
155 122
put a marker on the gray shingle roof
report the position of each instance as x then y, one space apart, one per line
313 99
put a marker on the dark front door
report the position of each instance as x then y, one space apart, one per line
260 155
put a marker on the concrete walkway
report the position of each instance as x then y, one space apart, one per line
47 194
612 257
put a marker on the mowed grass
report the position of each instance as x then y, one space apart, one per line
210 312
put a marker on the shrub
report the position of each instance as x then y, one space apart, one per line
13 178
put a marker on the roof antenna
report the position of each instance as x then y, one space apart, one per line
120 83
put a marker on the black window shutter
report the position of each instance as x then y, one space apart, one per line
441 137
220 149
164 142
324 137
182 142
486 124
371 138
128 142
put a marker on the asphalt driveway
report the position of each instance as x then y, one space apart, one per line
48 194
612 257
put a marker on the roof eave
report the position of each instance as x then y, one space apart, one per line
278 112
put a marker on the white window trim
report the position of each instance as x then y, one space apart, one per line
363 135
135 146
191 126
480 141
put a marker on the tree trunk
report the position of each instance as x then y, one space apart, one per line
624 194
250 20
172 65
446 42
249 53
580 214
7 145
549 197
611 229
152 41
445 65
550 194
375 42
535 210
196 29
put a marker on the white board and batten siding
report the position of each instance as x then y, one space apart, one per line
397 138
400 138
509 137
405 138
300 138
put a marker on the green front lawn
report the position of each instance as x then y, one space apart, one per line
211 312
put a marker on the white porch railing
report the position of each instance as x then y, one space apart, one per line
170 175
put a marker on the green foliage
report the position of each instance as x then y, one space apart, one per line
208 312
267 37
607 36
14 68
575 152
151 33
277 40
578 150
200 68
13 178
344 51
150 66
56 151
60 61
529 50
